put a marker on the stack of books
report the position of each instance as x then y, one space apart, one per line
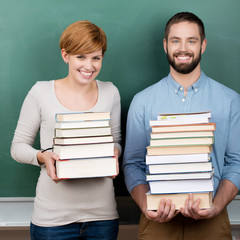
84 144
178 159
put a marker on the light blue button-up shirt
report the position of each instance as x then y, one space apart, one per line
167 96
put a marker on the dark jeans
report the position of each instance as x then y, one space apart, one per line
104 230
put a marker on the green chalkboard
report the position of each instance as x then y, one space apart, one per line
29 33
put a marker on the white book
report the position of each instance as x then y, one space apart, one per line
82 132
181 118
180 168
182 141
181 186
179 176
86 168
82 124
189 134
177 158
82 140
84 150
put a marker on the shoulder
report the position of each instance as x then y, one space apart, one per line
225 92
41 87
149 94
108 87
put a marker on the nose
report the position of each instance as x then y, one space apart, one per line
88 64
183 46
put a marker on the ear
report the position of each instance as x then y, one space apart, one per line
64 55
165 45
204 45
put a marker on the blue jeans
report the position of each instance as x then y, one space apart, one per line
104 230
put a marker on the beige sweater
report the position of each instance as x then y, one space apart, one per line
76 200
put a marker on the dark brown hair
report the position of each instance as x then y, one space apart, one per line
185 17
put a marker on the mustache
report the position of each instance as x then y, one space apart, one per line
181 53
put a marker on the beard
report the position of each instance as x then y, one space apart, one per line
184 68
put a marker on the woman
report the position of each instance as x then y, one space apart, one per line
77 208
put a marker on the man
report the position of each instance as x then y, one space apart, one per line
185 89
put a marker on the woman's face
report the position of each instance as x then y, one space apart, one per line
84 68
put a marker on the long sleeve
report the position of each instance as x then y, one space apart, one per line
26 130
135 148
116 119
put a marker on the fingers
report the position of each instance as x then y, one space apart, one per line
49 159
165 212
191 208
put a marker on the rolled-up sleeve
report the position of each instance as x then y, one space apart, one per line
135 148
231 169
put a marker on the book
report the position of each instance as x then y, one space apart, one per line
182 141
86 168
190 115
82 140
181 186
179 176
82 124
182 118
179 199
184 128
82 116
190 134
177 158
180 167
84 150
152 150
82 132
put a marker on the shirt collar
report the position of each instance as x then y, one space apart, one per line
176 87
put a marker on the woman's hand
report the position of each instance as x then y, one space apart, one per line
49 159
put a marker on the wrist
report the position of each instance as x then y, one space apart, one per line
40 158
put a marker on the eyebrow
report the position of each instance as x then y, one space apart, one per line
175 37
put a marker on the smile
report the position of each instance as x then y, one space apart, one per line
183 57
86 74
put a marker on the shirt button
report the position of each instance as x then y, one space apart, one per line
183 100
181 88
195 89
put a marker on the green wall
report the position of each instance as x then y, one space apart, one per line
29 33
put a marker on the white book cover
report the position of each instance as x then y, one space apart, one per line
181 118
181 186
179 176
177 158
180 168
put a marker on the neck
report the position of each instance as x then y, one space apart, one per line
78 87
186 80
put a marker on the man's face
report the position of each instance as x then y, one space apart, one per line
184 47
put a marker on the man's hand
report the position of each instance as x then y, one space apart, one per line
192 209
165 212
225 194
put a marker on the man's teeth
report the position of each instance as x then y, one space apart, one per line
86 73
183 58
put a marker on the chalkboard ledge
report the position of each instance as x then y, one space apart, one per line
16 212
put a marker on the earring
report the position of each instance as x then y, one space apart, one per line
66 62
